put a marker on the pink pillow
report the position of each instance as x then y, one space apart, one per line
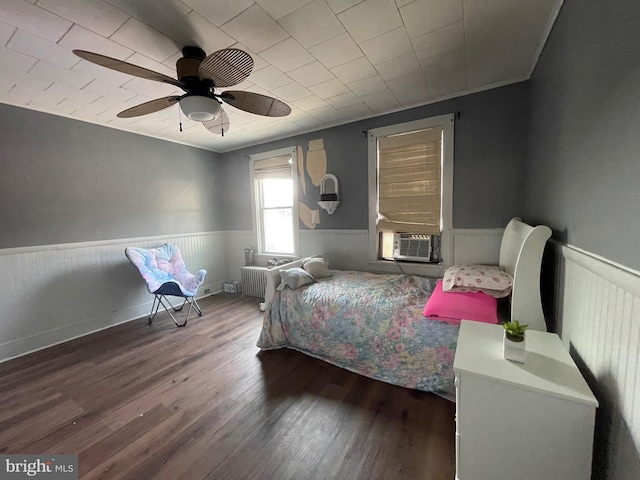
456 306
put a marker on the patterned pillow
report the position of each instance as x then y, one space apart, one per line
477 278
317 267
295 277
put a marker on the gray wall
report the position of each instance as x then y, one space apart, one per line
583 179
64 181
490 147
583 175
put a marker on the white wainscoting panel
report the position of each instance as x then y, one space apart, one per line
475 245
50 294
597 309
348 250
344 249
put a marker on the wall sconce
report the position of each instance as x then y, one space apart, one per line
329 201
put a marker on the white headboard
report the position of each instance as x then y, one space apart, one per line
521 255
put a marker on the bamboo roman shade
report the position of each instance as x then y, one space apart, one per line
275 167
409 182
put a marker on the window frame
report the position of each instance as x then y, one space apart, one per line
256 208
446 122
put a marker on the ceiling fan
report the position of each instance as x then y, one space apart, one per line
199 76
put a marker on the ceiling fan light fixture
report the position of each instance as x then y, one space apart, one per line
200 108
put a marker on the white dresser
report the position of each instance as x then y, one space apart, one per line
531 421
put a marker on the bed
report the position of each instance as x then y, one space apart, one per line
373 324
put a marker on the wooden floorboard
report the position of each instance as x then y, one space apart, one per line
202 402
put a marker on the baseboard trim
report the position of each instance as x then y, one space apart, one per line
20 347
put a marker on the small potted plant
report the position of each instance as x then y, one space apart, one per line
514 341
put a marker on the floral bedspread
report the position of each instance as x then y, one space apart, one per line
367 323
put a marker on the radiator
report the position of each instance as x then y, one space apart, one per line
254 281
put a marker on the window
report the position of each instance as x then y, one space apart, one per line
273 197
411 187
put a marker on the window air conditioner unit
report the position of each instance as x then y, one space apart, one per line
412 247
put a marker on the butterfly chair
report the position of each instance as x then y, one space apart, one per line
165 273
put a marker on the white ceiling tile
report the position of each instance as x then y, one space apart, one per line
74 98
287 55
442 40
146 40
330 88
109 91
388 46
16 99
344 100
80 38
96 15
310 103
368 85
411 89
94 71
291 92
38 47
370 19
312 24
46 100
150 88
355 111
311 74
356 70
152 12
11 61
195 30
326 113
60 75
398 67
30 85
336 51
220 11
5 33
71 94
270 77
380 101
144 62
280 8
445 82
341 5
424 16
33 19
500 43
255 29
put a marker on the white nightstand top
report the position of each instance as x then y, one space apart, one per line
549 368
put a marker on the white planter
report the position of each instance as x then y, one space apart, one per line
514 351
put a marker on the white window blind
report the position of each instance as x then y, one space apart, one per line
410 182
275 167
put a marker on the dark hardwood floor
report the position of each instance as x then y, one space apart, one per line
160 402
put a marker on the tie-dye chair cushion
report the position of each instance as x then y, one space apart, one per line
164 264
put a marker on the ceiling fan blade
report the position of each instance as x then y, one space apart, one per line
149 107
124 67
219 125
226 67
256 103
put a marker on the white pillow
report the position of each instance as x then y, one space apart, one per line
477 278
317 267
295 277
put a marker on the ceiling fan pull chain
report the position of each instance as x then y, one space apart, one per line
180 119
